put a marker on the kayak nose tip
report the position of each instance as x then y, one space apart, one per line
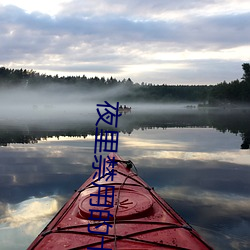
129 164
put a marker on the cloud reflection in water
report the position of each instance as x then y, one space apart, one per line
199 171
28 217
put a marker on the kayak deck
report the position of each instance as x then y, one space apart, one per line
138 217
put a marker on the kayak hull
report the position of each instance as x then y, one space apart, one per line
137 216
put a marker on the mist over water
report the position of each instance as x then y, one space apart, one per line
61 102
191 156
44 103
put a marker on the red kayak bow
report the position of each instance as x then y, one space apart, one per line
124 213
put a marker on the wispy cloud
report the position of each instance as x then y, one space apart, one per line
137 39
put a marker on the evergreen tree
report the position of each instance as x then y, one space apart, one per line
246 69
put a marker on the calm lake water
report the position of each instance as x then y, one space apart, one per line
197 160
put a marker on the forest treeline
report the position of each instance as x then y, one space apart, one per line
236 91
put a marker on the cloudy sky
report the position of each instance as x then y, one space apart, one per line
157 41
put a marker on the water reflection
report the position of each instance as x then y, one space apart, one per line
233 121
20 222
193 161
202 175
33 209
